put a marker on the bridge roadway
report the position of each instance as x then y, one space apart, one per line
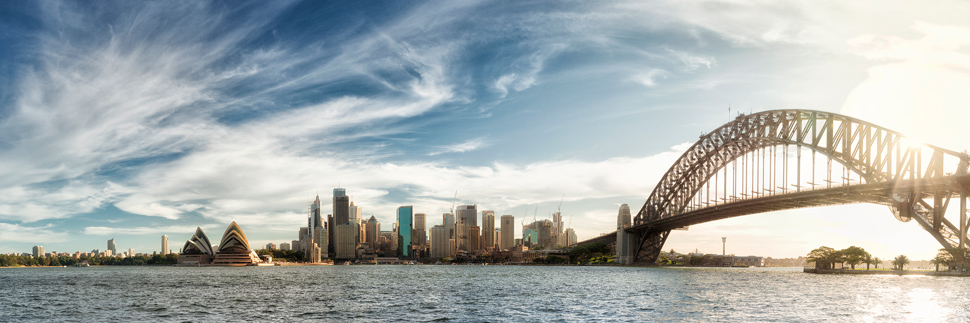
875 193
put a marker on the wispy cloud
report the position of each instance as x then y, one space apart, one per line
461 147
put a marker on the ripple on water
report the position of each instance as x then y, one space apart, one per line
472 293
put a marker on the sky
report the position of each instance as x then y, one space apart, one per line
132 120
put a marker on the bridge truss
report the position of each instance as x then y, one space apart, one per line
786 159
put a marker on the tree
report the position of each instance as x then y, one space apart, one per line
823 257
943 257
900 262
854 255
876 262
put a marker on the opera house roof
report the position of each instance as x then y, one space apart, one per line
198 244
233 249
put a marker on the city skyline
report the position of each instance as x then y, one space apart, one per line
116 123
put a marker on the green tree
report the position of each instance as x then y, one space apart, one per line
943 257
854 255
900 262
823 257
876 262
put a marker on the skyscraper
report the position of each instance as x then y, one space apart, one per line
354 212
440 242
570 237
474 238
467 216
404 229
112 246
420 237
372 232
488 230
341 206
341 216
557 229
38 251
164 245
448 220
507 239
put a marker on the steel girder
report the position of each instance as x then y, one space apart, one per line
876 154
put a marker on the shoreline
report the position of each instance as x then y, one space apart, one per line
886 272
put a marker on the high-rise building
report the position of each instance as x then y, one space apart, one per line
488 230
474 238
419 236
321 240
295 245
372 233
285 246
354 212
341 206
557 229
404 228
346 241
164 245
547 238
331 235
131 252
270 246
112 246
448 220
440 242
467 216
507 239
38 251
570 235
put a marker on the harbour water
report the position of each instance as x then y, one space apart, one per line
474 294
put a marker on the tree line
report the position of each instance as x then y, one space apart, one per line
98 260
826 258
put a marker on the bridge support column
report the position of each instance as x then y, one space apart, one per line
648 246
963 219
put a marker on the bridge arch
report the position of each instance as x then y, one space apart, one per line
915 180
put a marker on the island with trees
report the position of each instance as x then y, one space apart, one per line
827 260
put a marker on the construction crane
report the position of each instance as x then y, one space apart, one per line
453 202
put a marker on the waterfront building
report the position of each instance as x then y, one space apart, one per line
131 252
372 232
355 218
321 240
38 251
558 238
285 246
197 250
270 246
234 249
346 241
295 245
165 250
547 238
112 246
448 220
570 239
467 216
488 230
341 206
623 239
404 228
388 241
440 242
419 235
507 232
474 238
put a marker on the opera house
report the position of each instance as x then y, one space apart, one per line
233 250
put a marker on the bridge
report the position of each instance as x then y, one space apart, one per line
787 159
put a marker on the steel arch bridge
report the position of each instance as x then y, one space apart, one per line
769 161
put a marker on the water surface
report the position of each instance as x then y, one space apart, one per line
474 294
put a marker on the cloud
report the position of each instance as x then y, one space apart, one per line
649 78
20 233
108 231
470 145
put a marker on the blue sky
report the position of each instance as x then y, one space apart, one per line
136 119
